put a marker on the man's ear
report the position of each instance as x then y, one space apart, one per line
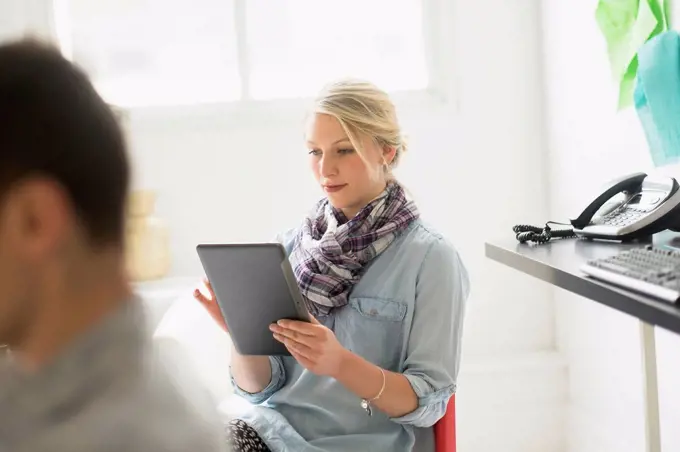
43 214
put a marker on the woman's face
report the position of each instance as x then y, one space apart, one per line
348 181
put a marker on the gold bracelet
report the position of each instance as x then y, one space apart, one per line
366 403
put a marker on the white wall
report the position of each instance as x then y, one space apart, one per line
589 142
475 173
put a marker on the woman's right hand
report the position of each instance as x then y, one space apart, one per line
206 296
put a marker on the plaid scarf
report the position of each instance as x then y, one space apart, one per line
332 252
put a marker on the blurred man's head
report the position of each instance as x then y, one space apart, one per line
64 177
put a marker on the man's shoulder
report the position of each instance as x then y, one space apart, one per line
165 408
184 408
135 414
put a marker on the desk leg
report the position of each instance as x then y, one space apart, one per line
651 388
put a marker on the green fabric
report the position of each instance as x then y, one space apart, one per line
626 26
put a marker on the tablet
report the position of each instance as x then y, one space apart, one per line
255 286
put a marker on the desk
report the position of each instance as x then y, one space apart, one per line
558 263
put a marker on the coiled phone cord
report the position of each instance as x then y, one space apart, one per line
527 233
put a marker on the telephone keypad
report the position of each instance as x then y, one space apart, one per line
623 217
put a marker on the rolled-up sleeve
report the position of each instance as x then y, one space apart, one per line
277 381
433 350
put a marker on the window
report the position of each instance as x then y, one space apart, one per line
173 52
152 52
298 45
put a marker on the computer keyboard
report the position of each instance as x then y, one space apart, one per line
649 270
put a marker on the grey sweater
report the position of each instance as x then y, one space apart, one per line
110 391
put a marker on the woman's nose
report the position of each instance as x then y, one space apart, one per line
327 166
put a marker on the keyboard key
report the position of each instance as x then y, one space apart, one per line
649 270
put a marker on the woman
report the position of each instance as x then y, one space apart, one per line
386 291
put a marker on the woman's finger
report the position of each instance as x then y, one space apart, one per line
301 358
206 283
302 349
210 305
304 362
305 328
201 298
296 336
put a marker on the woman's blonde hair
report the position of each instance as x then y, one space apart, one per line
363 109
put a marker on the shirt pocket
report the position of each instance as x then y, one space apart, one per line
373 328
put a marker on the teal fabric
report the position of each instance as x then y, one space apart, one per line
627 25
657 96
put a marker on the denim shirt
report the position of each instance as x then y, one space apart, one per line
404 315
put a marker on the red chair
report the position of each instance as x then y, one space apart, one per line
445 429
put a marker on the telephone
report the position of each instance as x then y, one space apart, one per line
630 207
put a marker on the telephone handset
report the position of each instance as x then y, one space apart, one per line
624 185
630 207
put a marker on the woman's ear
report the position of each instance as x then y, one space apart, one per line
388 154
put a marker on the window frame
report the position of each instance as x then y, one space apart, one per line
440 97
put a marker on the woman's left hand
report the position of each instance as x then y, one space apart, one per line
311 344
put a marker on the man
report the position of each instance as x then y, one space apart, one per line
81 374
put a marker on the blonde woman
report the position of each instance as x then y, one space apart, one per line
386 290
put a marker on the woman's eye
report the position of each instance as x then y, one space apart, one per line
346 151
314 152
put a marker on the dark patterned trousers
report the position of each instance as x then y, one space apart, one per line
241 437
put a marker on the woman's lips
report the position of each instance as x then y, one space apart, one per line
333 188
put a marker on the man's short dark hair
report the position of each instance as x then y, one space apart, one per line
54 124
